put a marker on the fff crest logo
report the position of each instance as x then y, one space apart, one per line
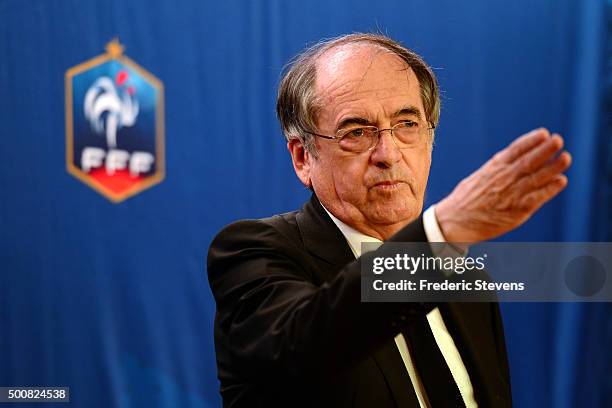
114 124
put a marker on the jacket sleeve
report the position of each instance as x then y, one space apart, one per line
274 320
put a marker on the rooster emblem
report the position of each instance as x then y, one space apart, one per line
110 105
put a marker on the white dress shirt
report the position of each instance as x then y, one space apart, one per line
436 322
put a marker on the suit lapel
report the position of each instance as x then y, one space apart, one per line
321 236
325 241
392 366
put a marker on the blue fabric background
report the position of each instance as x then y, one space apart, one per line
112 299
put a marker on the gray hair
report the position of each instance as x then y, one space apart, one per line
297 103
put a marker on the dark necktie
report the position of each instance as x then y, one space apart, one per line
440 386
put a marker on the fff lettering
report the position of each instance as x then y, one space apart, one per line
116 159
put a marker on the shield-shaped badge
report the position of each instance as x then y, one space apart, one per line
114 124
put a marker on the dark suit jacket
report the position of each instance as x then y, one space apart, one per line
291 331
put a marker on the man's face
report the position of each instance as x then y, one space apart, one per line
378 191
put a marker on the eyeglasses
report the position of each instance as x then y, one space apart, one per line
406 134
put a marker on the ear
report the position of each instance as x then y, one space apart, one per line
302 161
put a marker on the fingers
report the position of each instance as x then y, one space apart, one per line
538 156
535 199
546 173
523 144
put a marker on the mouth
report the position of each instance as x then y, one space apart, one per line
389 185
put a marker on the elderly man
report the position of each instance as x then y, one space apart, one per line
359 114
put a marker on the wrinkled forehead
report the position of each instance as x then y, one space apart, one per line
351 72
360 67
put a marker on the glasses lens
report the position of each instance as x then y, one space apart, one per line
358 139
409 133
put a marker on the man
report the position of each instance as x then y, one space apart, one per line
358 113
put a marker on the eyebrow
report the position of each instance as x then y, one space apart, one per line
408 110
358 120
354 120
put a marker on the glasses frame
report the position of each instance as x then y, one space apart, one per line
378 132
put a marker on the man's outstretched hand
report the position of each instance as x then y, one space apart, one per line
506 190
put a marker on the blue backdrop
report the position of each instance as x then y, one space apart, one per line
112 299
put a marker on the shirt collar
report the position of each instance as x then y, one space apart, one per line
352 236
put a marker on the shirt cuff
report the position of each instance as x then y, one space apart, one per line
434 234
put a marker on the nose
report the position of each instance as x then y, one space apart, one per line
385 153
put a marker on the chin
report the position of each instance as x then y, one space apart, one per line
394 208
389 214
